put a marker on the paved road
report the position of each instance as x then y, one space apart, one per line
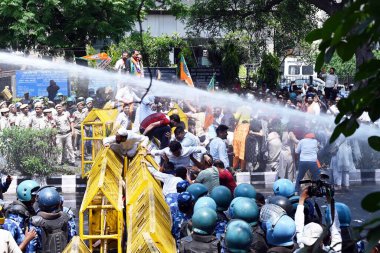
352 199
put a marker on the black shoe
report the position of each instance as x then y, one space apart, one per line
72 164
61 164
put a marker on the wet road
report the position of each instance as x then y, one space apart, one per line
352 199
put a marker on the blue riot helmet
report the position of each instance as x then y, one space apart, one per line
282 202
222 197
57 100
70 99
185 202
59 94
204 221
48 199
197 190
238 236
270 214
232 204
81 99
205 202
245 209
344 214
282 232
284 187
182 186
245 190
26 190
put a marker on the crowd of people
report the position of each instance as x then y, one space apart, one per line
199 149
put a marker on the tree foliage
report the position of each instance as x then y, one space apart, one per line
269 70
157 48
29 151
55 24
346 33
257 19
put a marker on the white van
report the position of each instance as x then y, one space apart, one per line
294 69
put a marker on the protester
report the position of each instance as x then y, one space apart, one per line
307 149
218 146
331 80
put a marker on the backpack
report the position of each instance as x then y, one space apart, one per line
55 231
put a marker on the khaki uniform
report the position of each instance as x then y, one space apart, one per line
64 135
4 123
23 120
51 123
78 118
12 118
39 122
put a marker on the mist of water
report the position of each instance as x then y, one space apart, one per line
183 92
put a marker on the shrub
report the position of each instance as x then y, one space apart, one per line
29 151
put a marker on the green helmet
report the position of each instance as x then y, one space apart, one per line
247 210
204 221
238 236
197 190
222 197
245 190
26 189
205 202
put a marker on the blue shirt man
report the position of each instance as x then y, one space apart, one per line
218 147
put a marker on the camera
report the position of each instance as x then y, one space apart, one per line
319 188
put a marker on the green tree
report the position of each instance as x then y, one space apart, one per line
157 48
54 26
257 19
346 33
230 64
269 70
57 27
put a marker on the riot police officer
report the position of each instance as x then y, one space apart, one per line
52 225
201 240
19 212
238 236
222 197
247 210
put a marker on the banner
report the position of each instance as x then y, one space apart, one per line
36 81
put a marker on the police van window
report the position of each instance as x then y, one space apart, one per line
307 70
294 70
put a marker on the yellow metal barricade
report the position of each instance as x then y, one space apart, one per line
148 215
97 125
76 245
102 204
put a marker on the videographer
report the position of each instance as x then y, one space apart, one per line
307 235
307 149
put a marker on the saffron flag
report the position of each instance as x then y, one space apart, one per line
99 56
184 73
211 85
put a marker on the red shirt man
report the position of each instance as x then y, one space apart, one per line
225 177
152 121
